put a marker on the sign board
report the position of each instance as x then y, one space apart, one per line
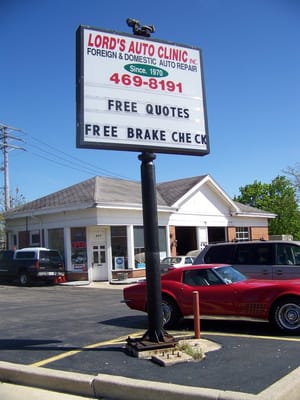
139 94
119 262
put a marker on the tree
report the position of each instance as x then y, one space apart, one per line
278 197
16 200
294 173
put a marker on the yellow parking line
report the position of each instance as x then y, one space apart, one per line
243 335
178 334
284 338
121 339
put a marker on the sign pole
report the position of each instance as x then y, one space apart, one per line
155 331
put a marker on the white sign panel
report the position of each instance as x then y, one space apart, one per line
119 262
139 94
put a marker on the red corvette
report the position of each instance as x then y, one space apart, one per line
223 292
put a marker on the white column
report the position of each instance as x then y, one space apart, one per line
130 246
202 237
109 253
168 250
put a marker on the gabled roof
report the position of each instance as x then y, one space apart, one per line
111 192
81 193
172 191
244 209
90 193
176 192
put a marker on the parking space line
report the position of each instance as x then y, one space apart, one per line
120 340
249 336
242 335
178 334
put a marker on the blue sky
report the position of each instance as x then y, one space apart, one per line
251 61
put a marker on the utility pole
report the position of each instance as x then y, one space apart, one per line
5 137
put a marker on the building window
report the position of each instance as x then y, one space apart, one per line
79 251
119 244
139 248
14 241
242 233
56 240
35 238
162 237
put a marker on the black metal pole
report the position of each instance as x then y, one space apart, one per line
155 331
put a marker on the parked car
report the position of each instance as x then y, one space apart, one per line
169 263
31 264
223 292
256 259
194 253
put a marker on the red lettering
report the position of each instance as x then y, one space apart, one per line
173 54
98 41
90 43
141 48
106 42
94 42
122 45
131 48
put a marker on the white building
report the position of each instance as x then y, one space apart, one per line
98 224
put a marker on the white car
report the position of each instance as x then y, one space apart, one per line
169 263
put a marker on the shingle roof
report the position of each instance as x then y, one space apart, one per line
173 190
72 195
249 209
111 191
88 193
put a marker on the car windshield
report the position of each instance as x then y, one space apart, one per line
229 274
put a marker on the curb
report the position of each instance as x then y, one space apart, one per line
285 388
121 388
44 378
113 284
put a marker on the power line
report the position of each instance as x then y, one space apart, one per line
82 166
55 156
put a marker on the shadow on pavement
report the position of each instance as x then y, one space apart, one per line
233 327
23 344
237 327
134 322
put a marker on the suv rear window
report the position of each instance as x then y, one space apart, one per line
26 254
50 256
222 254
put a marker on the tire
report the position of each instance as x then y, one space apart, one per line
171 313
23 278
286 315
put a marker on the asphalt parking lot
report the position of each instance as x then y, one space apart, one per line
84 329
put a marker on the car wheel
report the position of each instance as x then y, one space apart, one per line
23 279
286 315
171 313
